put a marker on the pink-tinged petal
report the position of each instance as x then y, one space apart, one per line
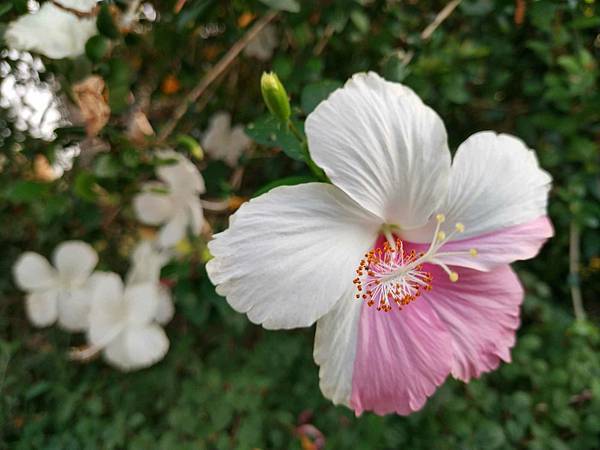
500 247
495 182
401 358
481 310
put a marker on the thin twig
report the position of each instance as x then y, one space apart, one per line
442 15
574 243
215 206
213 74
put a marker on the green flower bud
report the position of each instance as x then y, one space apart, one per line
275 96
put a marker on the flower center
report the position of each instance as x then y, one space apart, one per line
390 275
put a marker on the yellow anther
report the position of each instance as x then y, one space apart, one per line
440 218
459 227
473 252
453 277
441 236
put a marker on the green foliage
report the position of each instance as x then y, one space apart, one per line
226 383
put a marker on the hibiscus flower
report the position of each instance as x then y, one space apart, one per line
224 142
60 292
174 201
122 323
403 261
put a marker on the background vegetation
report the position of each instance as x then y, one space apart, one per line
529 68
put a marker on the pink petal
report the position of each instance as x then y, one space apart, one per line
481 311
498 248
401 358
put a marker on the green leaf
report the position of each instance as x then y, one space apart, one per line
5 8
268 131
315 93
106 24
106 166
192 13
84 186
25 191
20 6
283 5
97 47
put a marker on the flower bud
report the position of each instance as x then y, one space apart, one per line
275 96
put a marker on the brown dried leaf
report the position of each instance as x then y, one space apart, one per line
89 96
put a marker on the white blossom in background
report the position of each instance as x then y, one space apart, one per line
146 262
52 30
61 292
122 323
173 202
224 142
262 46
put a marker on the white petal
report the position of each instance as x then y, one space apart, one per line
108 313
116 354
380 144
146 345
174 230
51 31
75 261
74 309
138 347
141 302
496 182
224 142
153 208
166 309
217 135
182 176
291 253
41 307
146 263
335 349
33 272
196 215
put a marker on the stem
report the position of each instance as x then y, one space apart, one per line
574 243
213 74
441 16
316 170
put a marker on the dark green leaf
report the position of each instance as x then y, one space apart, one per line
283 5
269 132
315 93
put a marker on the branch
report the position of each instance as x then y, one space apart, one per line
574 243
442 15
213 74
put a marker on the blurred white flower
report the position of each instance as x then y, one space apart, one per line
122 323
262 46
61 292
52 30
146 262
224 142
172 202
